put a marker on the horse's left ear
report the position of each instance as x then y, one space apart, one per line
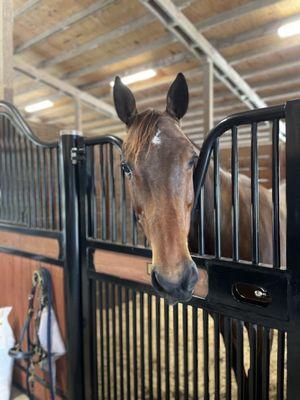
178 97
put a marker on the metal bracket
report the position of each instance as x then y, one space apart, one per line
77 154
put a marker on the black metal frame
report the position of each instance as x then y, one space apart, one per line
70 216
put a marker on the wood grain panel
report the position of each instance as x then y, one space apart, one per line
32 244
136 269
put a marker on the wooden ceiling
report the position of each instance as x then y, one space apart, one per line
85 43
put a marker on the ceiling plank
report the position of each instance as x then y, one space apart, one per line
62 86
65 24
187 33
257 33
145 20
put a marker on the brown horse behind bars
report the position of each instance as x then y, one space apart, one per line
159 161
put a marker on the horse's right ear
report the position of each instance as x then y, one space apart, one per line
124 102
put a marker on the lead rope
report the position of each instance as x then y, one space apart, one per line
35 353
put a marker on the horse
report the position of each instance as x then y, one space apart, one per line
159 160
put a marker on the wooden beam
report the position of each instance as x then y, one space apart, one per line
65 24
6 50
66 88
186 32
208 96
26 7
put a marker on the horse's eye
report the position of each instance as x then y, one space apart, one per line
126 168
193 162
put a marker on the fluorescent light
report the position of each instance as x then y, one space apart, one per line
139 76
290 29
42 105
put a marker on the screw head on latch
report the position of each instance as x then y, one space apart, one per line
259 293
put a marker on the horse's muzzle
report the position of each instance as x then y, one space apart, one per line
174 292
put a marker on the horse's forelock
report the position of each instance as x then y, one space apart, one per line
140 134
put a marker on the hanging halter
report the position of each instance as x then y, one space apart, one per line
41 293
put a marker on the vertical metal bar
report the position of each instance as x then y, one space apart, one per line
134 339
103 193
51 189
158 356
142 353
123 206
127 322
293 233
28 184
240 358
101 323
4 185
112 196
254 195
15 173
201 231
21 197
107 334
91 193
253 362
167 350
59 192
134 228
45 221
235 194
228 356
38 193
150 364
275 193
280 365
114 338
176 351
217 355
205 355
70 178
7 170
120 304
217 194
195 352
185 350
266 364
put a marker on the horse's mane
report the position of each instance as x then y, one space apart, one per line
140 134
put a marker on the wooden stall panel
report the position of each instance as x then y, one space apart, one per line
16 282
136 269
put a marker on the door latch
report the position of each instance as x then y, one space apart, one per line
77 154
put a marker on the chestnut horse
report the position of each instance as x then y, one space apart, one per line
159 161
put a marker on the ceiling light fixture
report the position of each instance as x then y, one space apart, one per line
42 105
139 76
290 29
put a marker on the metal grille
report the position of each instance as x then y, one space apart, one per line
218 347
29 175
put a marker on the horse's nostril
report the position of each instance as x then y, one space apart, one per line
191 277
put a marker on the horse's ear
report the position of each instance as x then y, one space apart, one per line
178 97
124 102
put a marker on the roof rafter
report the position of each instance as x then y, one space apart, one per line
66 88
187 33
27 6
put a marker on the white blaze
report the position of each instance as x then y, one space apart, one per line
157 138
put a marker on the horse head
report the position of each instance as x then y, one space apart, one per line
159 161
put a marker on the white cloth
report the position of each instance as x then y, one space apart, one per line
7 341
57 345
